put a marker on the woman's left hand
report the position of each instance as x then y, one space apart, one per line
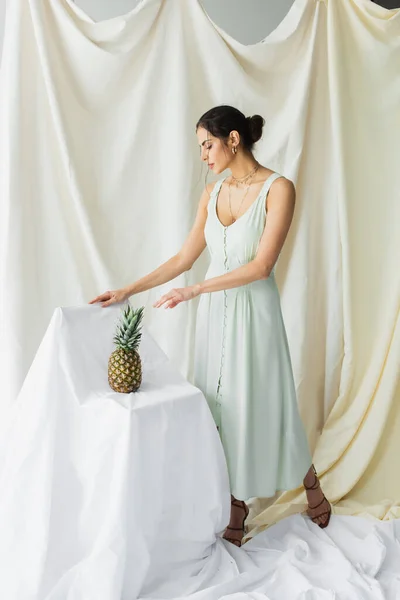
178 295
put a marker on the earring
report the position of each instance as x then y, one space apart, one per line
234 149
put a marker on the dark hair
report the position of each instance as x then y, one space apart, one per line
221 120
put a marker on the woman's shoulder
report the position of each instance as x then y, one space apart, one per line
208 192
279 181
212 185
264 173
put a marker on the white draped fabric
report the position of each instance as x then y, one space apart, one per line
101 178
110 496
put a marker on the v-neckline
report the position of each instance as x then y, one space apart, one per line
246 211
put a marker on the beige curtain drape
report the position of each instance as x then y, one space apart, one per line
358 55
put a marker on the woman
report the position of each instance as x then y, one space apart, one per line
242 360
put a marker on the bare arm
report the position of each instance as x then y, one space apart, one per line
281 202
175 266
182 261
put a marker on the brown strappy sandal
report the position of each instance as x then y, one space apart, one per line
315 486
235 541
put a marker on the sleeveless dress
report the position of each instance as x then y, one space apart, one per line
243 366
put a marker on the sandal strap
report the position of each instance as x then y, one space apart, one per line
328 512
324 516
242 505
314 486
238 503
316 483
237 543
322 501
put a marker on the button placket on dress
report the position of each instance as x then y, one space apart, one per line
219 393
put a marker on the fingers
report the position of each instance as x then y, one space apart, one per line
170 300
160 301
101 298
168 303
108 303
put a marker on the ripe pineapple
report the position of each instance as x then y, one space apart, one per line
124 364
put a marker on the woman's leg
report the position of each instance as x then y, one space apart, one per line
319 509
235 530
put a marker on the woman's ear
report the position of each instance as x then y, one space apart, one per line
234 138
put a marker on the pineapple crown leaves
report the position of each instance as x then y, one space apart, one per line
128 334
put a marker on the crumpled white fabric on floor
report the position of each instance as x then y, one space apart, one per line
110 496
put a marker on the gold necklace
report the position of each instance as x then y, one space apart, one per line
229 196
244 179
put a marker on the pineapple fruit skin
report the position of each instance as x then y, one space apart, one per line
124 364
124 371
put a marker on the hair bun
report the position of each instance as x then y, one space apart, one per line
256 124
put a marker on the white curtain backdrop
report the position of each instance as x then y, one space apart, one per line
102 178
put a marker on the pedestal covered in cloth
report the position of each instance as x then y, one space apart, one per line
104 495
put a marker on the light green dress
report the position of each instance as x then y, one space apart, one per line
243 366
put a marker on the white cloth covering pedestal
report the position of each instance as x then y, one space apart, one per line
107 496
100 489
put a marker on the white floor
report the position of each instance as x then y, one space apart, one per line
353 558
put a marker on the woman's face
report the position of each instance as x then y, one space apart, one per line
213 151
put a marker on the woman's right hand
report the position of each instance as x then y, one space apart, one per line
111 297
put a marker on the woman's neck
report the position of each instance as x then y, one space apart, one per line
242 166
